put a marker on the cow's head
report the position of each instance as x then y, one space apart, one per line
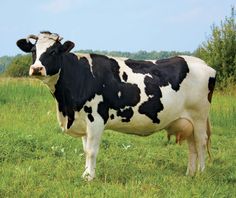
46 52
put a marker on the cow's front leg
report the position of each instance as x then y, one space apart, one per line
84 141
94 133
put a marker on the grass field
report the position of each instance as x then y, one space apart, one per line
37 160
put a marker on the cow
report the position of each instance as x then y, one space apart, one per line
96 92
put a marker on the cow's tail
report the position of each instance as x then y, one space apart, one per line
211 86
209 138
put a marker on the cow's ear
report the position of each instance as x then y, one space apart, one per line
24 45
67 46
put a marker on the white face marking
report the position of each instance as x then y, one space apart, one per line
43 43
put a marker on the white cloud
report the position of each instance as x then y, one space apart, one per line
58 6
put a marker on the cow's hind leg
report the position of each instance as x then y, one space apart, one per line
94 133
200 137
192 156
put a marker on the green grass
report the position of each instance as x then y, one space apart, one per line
37 160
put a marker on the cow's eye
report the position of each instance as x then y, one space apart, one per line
33 49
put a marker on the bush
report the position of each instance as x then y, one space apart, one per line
219 51
19 66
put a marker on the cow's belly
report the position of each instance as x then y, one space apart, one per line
143 126
138 125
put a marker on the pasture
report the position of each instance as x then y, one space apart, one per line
38 160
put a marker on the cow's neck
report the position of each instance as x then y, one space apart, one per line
60 92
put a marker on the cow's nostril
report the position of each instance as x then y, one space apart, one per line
37 71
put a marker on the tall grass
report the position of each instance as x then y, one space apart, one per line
37 160
224 111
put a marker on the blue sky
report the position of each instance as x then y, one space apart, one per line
123 25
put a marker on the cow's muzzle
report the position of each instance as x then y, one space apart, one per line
37 71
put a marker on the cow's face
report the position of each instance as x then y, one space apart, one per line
46 53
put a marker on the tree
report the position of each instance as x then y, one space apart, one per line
219 51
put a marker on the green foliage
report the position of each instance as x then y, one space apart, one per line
4 62
37 160
19 66
219 51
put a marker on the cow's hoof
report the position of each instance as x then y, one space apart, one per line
87 176
190 172
201 168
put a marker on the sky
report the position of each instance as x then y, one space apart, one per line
113 25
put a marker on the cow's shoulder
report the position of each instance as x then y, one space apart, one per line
75 86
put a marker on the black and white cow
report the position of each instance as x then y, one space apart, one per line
95 92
